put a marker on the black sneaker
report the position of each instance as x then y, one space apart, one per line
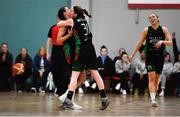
67 104
105 103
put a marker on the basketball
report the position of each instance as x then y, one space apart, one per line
17 69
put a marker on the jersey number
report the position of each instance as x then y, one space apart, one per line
86 28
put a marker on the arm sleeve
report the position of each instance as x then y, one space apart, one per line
117 67
35 64
175 50
175 69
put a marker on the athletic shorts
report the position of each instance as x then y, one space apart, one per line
87 58
154 62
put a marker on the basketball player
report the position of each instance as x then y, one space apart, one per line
156 37
61 69
87 56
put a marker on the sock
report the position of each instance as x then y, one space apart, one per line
162 90
102 93
152 96
70 95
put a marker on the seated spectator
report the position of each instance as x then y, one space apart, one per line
176 75
140 77
26 60
41 68
105 67
166 72
122 70
121 50
6 61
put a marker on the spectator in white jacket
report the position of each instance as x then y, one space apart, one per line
166 72
122 69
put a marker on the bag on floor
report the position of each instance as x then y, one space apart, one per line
50 83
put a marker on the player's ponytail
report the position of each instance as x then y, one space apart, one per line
80 12
86 12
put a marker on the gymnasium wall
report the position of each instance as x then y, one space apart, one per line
25 23
113 24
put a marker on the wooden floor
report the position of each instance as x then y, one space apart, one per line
32 104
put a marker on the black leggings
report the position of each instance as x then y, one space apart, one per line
38 81
60 69
20 80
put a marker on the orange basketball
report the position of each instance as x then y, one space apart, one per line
17 69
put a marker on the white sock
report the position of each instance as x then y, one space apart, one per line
162 90
153 96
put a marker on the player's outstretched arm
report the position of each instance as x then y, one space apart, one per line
64 23
139 43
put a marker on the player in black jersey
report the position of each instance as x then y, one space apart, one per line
86 58
62 56
156 37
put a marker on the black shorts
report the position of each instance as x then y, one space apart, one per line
154 62
87 58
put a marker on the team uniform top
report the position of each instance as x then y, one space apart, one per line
84 35
154 36
86 56
154 55
53 33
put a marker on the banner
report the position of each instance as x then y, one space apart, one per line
154 4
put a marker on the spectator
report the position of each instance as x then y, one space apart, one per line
41 68
121 50
122 69
6 61
176 75
26 60
166 72
105 67
140 77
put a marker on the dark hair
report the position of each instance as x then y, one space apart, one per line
103 47
167 53
61 13
80 12
4 44
120 50
123 54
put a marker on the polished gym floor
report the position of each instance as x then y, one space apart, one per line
31 104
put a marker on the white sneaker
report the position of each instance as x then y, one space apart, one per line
121 90
33 89
118 86
124 92
76 107
19 91
80 90
93 86
161 94
41 90
86 84
154 103
63 96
